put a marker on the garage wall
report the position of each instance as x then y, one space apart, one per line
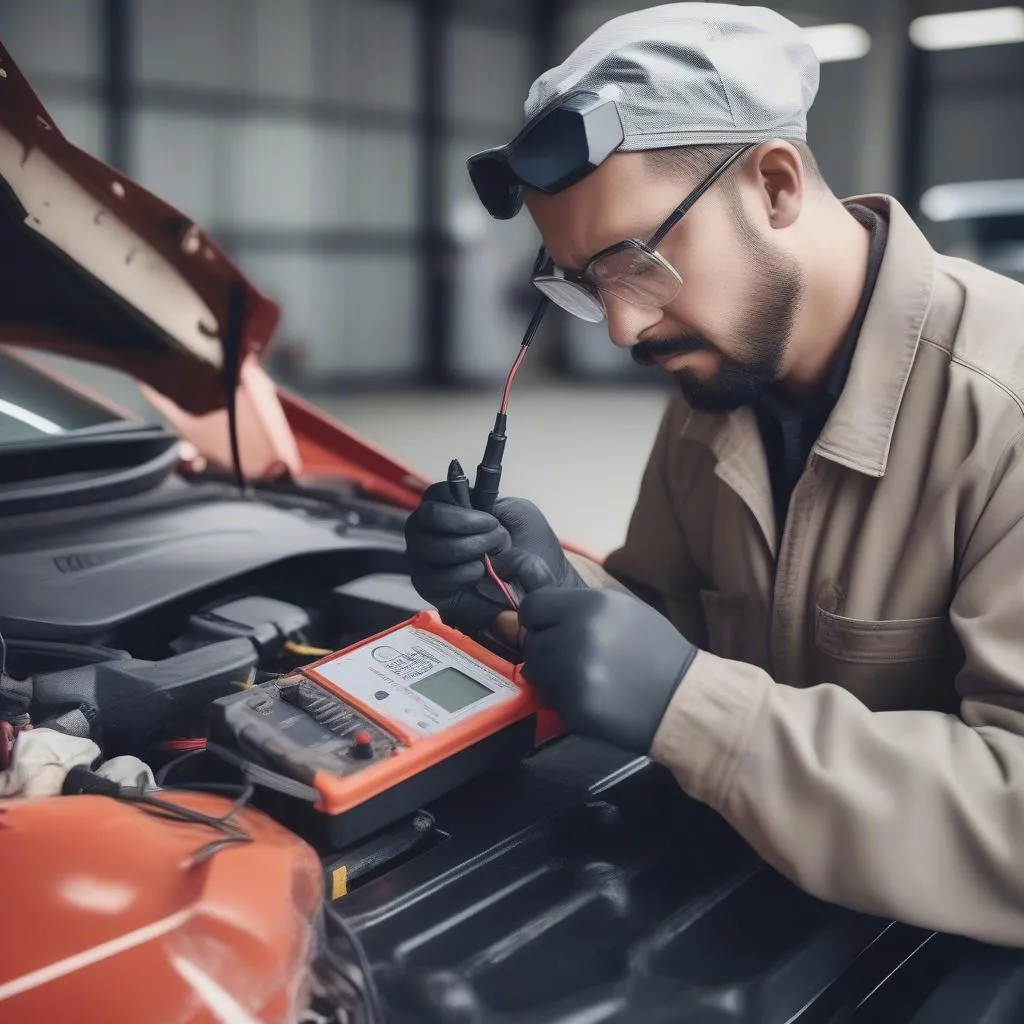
294 131
289 130
489 62
57 45
973 127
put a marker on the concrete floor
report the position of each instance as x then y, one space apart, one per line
576 450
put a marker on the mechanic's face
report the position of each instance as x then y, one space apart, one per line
724 336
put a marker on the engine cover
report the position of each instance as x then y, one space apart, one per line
92 577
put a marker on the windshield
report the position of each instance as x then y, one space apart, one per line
33 406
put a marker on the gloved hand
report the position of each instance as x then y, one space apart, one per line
607 663
447 542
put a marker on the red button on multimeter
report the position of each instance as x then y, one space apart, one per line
386 725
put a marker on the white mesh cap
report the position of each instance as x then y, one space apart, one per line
693 74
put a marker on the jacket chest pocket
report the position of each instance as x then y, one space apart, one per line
737 627
889 664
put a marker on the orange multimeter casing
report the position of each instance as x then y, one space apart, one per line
387 724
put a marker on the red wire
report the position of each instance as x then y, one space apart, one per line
512 376
523 349
501 584
184 744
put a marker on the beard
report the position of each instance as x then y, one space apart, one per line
764 331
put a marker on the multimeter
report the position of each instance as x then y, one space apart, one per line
384 726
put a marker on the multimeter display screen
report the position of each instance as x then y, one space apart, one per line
451 689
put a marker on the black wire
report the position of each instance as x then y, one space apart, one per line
535 321
372 995
225 788
3 656
243 792
171 765
230 832
176 812
232 366
243 798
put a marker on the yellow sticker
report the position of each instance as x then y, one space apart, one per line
339 882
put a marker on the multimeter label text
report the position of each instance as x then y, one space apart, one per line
418 679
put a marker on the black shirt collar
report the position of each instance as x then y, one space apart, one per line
879 229
776 401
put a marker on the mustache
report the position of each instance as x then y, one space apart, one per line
646 353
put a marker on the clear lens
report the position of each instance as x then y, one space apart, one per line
573 298
635 275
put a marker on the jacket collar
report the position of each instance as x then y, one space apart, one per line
859 430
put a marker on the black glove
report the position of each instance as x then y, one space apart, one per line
607 663
447 542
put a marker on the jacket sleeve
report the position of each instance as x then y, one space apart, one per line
913 815
654 562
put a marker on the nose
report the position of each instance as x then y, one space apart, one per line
627 321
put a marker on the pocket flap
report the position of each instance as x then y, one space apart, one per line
877 642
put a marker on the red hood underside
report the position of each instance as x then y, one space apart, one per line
110 273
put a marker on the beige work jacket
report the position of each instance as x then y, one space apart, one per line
857 709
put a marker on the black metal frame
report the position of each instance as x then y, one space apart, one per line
434 250
584 278
115 28
916 95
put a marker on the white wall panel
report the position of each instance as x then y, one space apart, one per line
277 172
180 158
191 43
365 52
81 122
467 216
281 59
53 37
289 279
492 268
366 315
270 172
351 315
487 73
364 178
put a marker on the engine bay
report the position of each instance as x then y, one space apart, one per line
126 622
577 867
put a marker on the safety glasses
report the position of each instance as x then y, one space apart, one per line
630 270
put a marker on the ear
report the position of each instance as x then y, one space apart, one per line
781 181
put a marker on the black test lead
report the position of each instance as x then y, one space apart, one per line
460 490
488 472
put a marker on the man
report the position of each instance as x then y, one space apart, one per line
829 536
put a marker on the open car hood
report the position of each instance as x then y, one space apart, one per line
108 272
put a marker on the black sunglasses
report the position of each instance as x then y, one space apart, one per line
563 143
